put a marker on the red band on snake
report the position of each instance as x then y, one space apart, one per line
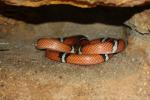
79 50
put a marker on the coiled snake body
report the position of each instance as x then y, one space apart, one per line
79 50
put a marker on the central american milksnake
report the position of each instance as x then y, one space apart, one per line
80 50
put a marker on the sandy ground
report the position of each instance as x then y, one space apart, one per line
25 73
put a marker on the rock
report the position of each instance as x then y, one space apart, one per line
79 3
140 22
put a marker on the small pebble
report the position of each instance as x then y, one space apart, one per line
133 59
140 90
145 84
43 66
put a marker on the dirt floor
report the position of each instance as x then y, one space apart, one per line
25 73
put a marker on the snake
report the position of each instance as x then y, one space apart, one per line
80 50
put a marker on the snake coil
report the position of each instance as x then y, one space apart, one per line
79 50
